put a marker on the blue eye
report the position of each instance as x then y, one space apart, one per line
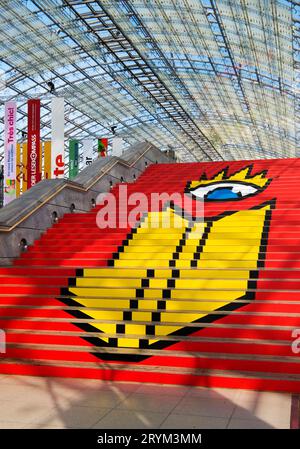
224 193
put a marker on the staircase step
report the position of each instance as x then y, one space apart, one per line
257 335
157 374
244 350
264 320
44 324
48 271
34 281
61 263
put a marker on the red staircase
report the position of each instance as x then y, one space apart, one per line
129 319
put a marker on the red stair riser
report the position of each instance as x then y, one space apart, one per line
235 348
159 378
68 254
63 263
30 289
223 364
46 339
30 301
263 335
40 313
168 360
20 323
14 271
263 320
39 354
26 280
259 334
275 295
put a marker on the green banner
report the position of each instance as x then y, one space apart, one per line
102 147
73 158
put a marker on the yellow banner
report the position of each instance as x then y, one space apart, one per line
24 167
47 160
19 171
41 159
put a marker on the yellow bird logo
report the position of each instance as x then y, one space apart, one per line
162 280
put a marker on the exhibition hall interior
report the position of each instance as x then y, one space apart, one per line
150 214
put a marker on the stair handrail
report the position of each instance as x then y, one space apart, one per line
60 184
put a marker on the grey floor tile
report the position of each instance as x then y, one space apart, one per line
24 411
74 418
220 408
163 390
104 399
149 402
26 380
126 387
3 376
264 410
11 425
121 419
193 422
213 393
248 424
19 393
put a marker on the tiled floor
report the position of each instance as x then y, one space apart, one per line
32 402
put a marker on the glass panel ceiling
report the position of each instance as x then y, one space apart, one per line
212 79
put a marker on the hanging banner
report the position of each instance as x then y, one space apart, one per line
58 138
21 178
33 142
41 159
73 158
102 147
117 146
10 144
47 159
87 152
24 167
1 185
19 171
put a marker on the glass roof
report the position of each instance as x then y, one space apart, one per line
211 79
